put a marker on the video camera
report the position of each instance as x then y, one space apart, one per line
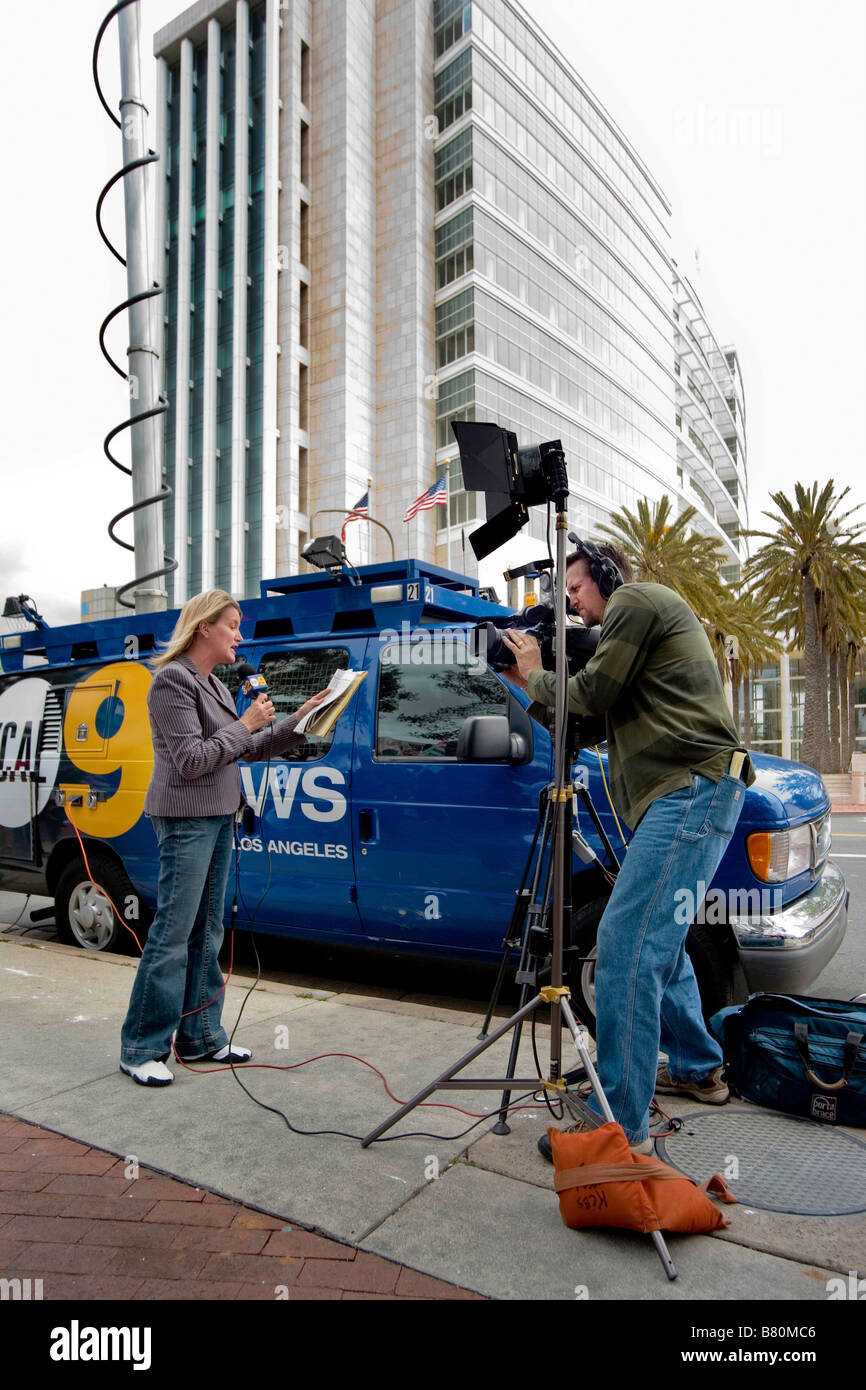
539 620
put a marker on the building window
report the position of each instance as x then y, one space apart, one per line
454 169
453 90
451 20
456 402
455 328
733 487
454 249
462 506
696 487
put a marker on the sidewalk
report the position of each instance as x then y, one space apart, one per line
220 1179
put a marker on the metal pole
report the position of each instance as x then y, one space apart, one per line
448 511
143 357
559 791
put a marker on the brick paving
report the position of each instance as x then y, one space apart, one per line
72 1217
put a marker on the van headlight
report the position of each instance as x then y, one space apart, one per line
777 855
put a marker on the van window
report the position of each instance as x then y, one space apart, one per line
292 678
420 708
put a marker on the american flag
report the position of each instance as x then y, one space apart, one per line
360 509
435 496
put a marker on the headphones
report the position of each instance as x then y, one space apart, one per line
602 569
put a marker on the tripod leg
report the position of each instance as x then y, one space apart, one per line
502 1126
497 990
520 917
448 1075
578 1034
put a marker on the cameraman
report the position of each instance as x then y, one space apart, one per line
678 775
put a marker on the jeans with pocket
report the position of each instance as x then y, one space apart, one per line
179 972
646 994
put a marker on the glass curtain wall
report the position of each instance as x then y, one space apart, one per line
229 208
225 311
255 302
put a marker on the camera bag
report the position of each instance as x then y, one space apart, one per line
796 1054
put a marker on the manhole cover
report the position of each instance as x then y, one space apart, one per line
781 1163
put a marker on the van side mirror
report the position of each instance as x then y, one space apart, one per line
489 738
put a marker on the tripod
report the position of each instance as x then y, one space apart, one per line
529 926
555 994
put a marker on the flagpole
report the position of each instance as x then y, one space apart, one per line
448 512
371 536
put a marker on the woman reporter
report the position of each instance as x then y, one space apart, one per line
192 800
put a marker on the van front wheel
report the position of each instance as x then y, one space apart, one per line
84 914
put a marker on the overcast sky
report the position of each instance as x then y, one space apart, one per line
752 117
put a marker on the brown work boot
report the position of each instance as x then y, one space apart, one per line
710 1089
582 1127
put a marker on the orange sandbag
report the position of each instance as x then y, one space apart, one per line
600 1182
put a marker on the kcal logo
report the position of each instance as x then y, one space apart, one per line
29 749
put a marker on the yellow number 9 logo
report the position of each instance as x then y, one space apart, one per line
106 730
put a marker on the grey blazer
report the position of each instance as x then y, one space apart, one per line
197 741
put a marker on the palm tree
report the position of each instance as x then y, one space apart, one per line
809 561
742 631
662 550
755 627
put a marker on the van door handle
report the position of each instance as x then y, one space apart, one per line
367 829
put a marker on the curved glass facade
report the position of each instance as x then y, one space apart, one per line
554 312
558 306
711 428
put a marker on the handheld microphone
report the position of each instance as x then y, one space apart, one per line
253 686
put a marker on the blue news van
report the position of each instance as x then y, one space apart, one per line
379 835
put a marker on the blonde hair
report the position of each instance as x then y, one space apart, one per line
202 608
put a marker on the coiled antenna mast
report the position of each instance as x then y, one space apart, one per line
147 404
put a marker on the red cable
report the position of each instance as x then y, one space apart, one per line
99 885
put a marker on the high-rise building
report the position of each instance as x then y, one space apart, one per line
385 215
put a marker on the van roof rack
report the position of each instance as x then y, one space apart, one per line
320 604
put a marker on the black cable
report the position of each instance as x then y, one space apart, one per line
21 913
546 1098
413 1134
275 1110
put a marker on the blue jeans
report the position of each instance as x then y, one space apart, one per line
179 971
646 994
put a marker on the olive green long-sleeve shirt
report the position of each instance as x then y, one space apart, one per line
654 679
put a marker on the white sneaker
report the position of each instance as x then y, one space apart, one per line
149 1073
232 1052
